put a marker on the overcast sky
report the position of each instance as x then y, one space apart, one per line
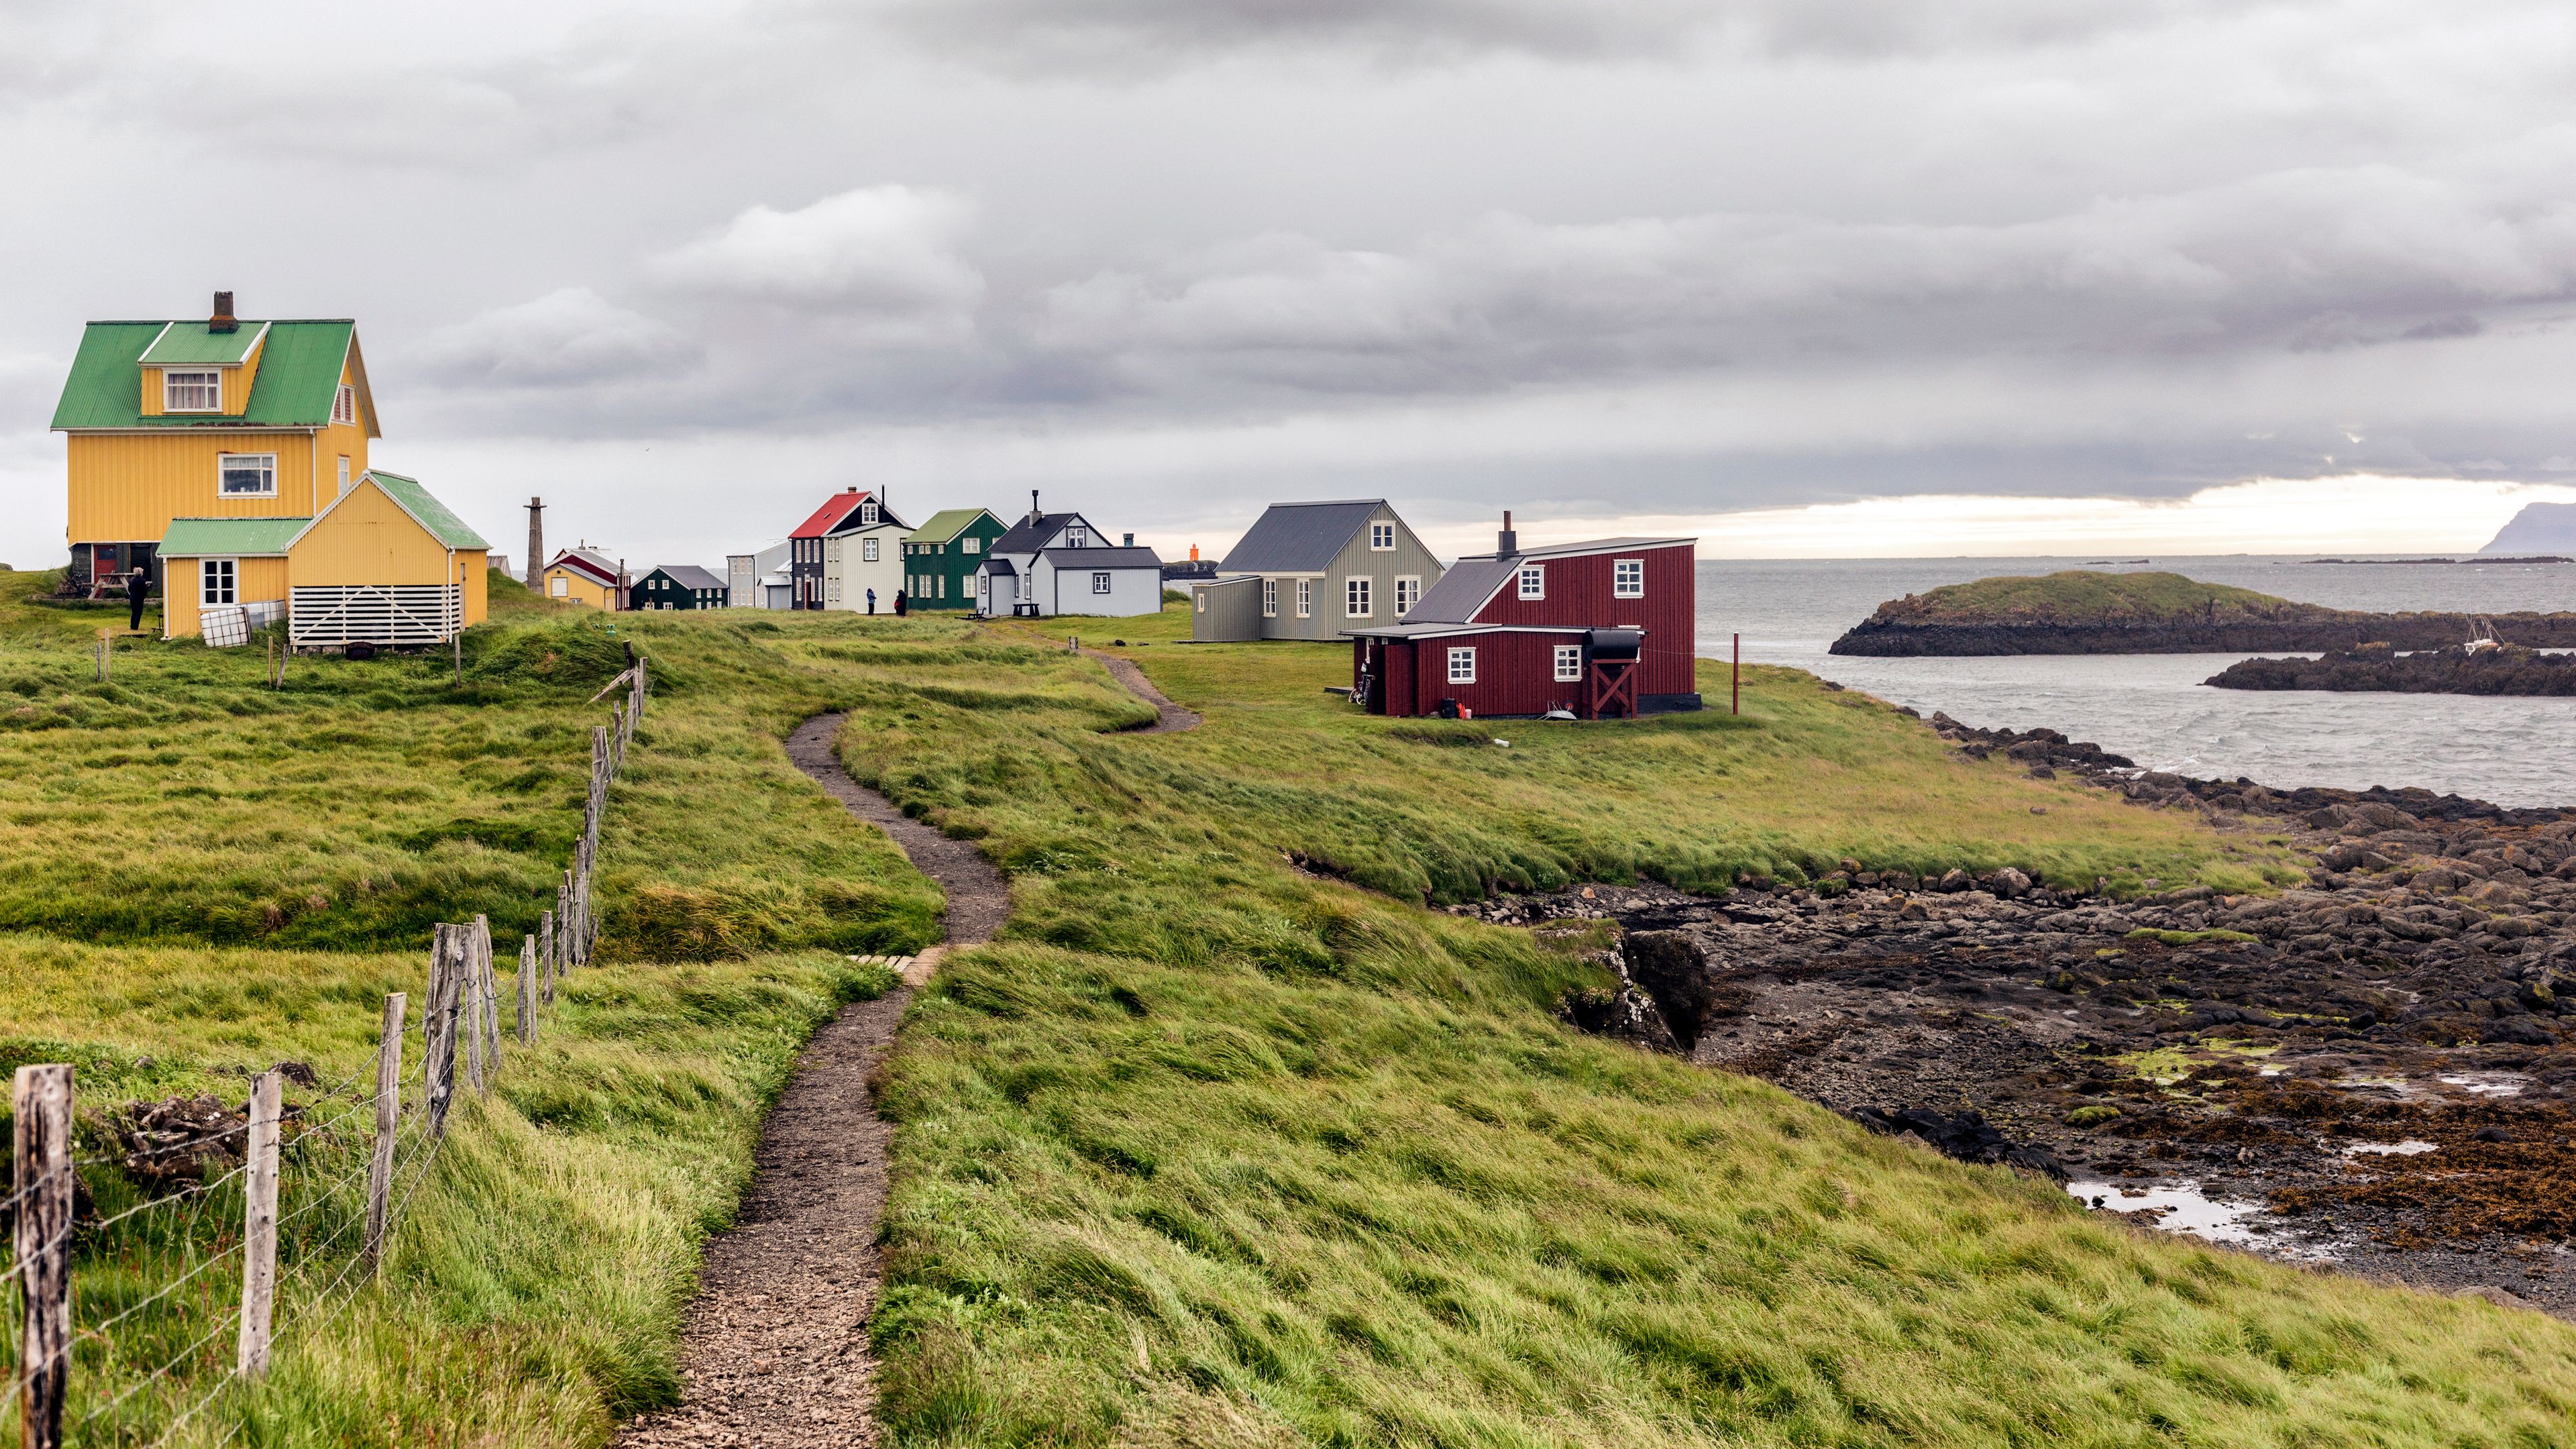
683 269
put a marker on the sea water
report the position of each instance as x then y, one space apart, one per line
2153 707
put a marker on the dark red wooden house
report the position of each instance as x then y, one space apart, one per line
1601 629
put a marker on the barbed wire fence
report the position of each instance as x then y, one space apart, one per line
176 1238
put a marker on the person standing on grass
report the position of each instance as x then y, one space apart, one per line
872 601
135 588
902 604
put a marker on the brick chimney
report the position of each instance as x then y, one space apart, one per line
223 320
1507 541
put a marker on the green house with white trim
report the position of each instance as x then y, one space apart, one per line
939 558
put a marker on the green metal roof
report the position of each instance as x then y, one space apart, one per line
204 537
947 523
299 374
433 515
195 342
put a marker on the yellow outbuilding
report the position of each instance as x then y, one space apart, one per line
383 563
579 576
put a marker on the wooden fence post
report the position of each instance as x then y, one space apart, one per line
259 1226
527 991
380 1169
469 1005
546 972
42 1159
439 1027
488 1020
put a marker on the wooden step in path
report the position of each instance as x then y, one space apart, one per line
776 1349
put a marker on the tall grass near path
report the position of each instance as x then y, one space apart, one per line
206 877
1214 1149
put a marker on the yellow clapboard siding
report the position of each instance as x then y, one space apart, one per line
255 581
579 588
126 487
368 539
343 440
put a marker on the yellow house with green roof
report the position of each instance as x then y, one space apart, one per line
223 417
228 459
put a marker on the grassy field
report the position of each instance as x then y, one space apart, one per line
1229 1141
1212 1150
200 877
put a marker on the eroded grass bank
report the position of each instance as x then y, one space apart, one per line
1212 1150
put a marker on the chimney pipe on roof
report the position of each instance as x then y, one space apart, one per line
223 320
1033 507
1507 541
1130 541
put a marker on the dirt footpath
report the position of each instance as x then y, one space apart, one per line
777 1351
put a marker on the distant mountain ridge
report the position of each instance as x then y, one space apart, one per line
2538 528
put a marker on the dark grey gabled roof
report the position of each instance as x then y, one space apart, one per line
1031 533
992 565
1104 558
690 576
1300 537
1461 591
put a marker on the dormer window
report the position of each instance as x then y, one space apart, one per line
192 392
1077 537
868 514
344 406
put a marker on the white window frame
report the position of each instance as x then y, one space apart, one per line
1201 599
1628 578
226 462
970 544
1077 537
1305 598
1408 592
558 587
1100 581
867 550
868 515
209 378
344 472
1569 663
1533 581
209 591
1270 598
344 406
1381 538
1359 597
1462 665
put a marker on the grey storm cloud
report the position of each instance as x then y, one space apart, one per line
1666 253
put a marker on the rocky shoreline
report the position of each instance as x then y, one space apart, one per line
1887 635
2377 668
2376 1071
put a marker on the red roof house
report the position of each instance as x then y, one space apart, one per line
1603 629
805 545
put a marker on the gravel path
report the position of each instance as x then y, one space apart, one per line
1174 718
776 1350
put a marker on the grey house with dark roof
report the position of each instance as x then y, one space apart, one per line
1312 571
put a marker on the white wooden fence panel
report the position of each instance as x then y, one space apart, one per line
376 614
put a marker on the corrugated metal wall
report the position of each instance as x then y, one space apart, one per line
127 487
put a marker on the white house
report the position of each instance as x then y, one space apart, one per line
1120 582
862 554
1005 581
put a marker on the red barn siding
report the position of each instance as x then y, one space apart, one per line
1578 592
1515 674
